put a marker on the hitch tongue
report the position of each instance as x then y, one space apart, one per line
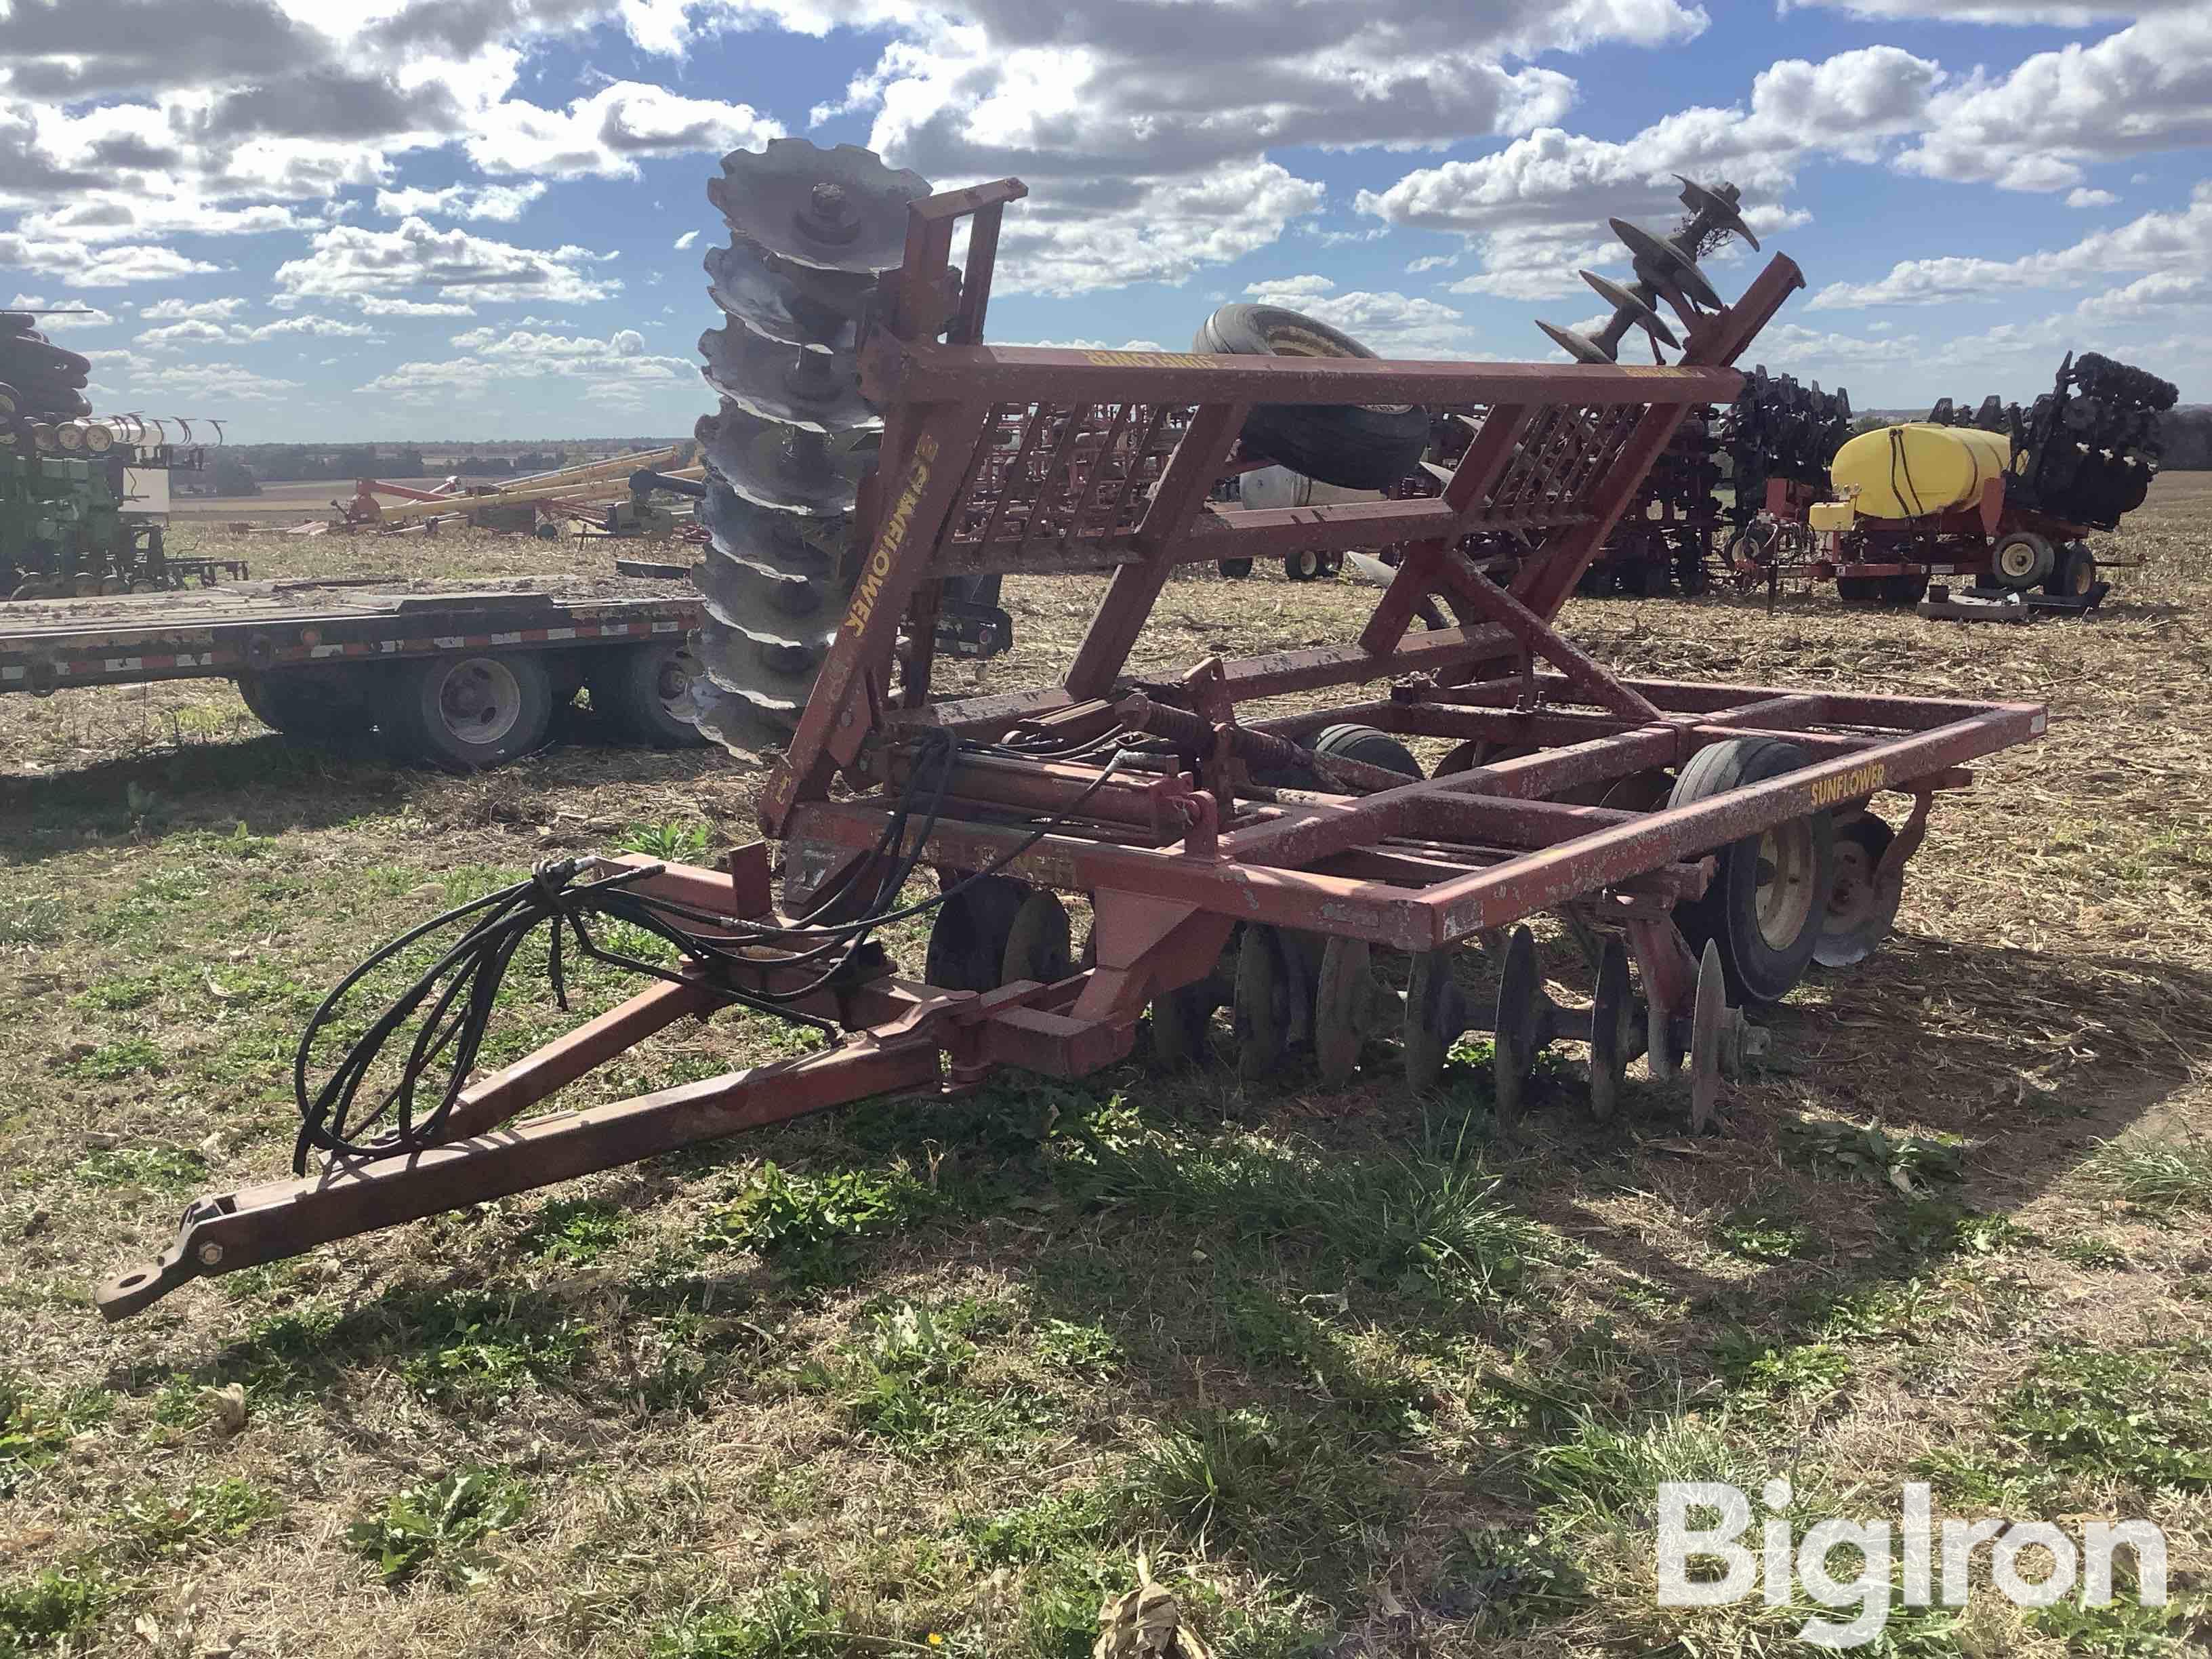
140 1288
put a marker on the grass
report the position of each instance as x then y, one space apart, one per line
1355 1375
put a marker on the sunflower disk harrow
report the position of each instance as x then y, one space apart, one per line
1702 843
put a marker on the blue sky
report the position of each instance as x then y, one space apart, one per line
462 218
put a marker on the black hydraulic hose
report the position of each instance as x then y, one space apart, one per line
452 1003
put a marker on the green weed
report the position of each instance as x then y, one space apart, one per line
808 1223
1770 1370
478 1347
30 921
159 1169
905 1382
39 1614
119 993
2119 1629
1394 1219
1610 1473
34 1429
1265 1479
2162 1176
2144 1417
447 1525
678 843
792 1619
574 1230
157 1524
128 1057
1086 1350
1759 1233
2099 1253
1911 1164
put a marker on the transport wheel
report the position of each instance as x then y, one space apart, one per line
1612 1032
970 933
1903 590
2021 560
1519 1033
1691 576
1352 447
1763 909
1859 590
308 707
1649 579
1435 1015
1340 1002
1235 570
470 711
1268 984
2074 573
1859 910
1037 941
640 690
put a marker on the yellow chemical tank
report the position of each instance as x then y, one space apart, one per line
1911 472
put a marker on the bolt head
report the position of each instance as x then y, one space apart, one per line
211 1255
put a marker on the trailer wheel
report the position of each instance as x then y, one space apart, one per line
470 711
1770 889
2074 573
310 708
1352 445
640 688
1235 570
2021 560
1311 566
1860 908
1859 590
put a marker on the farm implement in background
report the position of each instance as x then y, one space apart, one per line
1705 842
642 495
84 502
2003 498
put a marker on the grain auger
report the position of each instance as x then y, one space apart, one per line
1298 862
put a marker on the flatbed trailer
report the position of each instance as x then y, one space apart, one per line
1713 838
465 673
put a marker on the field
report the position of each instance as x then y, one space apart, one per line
926 1377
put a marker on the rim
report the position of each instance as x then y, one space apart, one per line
1784 899
1852 898
479 701
672 684
2016 560
2081 576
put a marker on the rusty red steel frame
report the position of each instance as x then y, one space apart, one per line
1034 460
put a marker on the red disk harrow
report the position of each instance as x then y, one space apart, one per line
1714 838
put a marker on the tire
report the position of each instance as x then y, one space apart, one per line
1354 447
2021 560
469 711
35 357
1369 747
327 710
638 689
1647 578
1764 932
1903 590
1311 566
2074 573
1691 576
1235 570
1859 590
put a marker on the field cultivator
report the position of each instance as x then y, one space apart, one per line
1290 861
2002 497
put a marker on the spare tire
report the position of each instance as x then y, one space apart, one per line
45 355
1354 447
